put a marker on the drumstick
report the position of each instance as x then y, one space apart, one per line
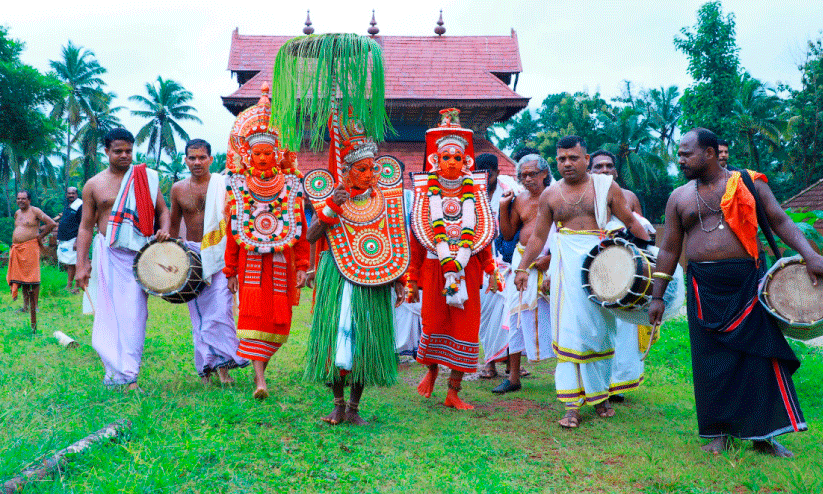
88 297
651 338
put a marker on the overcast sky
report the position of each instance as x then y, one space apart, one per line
564 46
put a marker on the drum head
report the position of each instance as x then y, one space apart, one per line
163 267
791 294
611 273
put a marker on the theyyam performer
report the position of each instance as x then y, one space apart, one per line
267 254
361 231
359 228
198 201
453 228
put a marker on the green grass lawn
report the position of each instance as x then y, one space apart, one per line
190 438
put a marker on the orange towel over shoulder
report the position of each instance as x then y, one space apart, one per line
24 263
740 211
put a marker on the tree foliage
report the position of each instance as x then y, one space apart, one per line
714 65
167 102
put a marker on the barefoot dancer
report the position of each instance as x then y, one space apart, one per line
583 336
529 322
124 203
24 257
267 254
453 229
741 363
199 200
361 230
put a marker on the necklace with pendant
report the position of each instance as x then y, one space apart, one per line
719 225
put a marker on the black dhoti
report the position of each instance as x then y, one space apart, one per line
741 363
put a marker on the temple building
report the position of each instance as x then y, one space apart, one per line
424 74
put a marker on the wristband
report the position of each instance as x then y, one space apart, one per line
518 270
663 276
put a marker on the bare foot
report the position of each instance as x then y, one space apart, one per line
426 385
224 376
773 448
206 380
717 445
133 387
571 420
337 415
261 393
354 418
604 409
454 401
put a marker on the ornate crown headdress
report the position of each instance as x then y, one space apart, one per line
449 132
252 127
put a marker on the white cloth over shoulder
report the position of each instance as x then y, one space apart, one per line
128 236
601 184
213 245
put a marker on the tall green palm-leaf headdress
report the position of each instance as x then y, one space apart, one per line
314 76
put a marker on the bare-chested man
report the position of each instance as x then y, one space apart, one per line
627 365
24 257
583 340
529 329
124 204
741 363
212 321
603 162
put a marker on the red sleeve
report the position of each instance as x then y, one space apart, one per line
418 254
486 259
232 254
302 249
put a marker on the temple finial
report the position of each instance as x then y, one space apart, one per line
308 29
373 30
440 30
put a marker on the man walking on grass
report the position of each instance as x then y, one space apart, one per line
741 363
24 256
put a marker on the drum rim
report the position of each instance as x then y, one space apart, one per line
177 291
763 296
623 303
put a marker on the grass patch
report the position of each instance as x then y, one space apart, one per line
187 438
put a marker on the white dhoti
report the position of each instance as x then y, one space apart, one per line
120 312
583 331
212 326
66 253
627 366
528 314
494 333
407 326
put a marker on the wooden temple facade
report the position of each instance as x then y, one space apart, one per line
424 74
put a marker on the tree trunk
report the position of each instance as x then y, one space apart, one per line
68 157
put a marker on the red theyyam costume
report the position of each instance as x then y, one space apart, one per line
266 231
453 228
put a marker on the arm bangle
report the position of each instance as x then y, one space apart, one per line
663 276
521 271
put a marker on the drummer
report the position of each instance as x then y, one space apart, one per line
198 200
124 204
741 363
583 339
627 365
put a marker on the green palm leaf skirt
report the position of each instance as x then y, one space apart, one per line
374 360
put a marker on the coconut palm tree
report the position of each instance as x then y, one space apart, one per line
80 72
90 136
167 103
757 116
662 112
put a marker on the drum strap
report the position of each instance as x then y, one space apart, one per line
762 219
